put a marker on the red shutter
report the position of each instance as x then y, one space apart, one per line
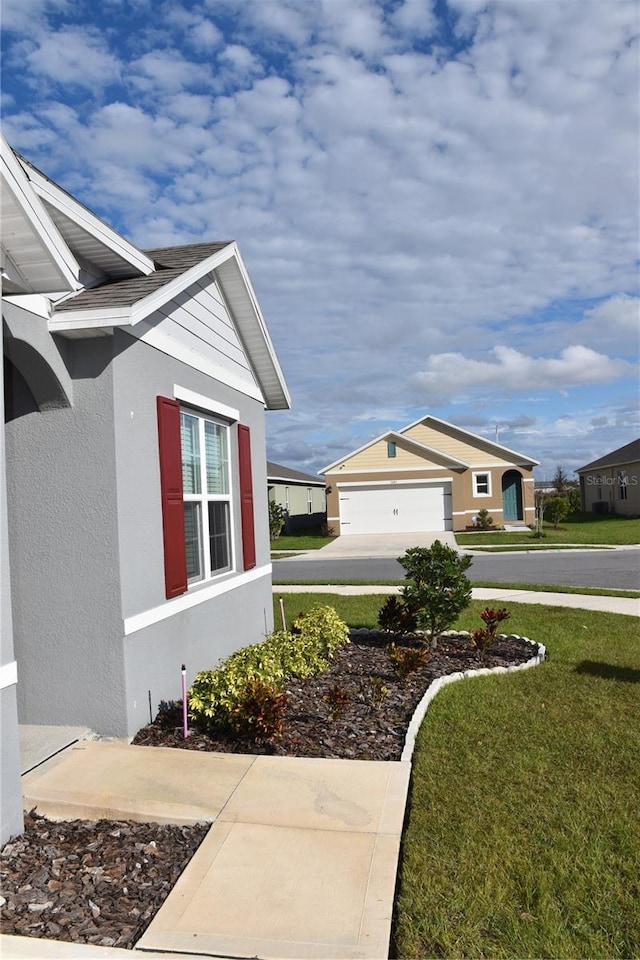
175 559
246 497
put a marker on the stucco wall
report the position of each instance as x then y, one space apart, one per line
64 551
604 484
298 513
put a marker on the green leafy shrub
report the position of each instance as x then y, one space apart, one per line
557 508
437 586
276 519
406 660
337 698
215 694
484 520
259 713
397 616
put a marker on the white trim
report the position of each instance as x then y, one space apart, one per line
529 508
394 483
377 470
332 518
201 402
496 446
8 674
398 437
192 599
168 345
527 479
474 483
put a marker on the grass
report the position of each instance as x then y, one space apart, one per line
522 837
311 539
522 547
579 528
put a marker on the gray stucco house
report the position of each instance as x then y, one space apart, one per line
135 388
301 495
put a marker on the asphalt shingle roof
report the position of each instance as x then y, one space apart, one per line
627 454
170 263
276 471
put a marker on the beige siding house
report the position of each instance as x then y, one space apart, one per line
612 483
301 495
429 476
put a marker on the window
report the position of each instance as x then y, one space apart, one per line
286 499
309 500
391 448
622 485
482 484
204 446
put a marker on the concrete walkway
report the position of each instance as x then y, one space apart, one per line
366 545
300 860
627 605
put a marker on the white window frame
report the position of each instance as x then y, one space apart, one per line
623 492
287 504
475 479
309 500
204 499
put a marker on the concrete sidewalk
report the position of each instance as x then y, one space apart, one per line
300 860
626 605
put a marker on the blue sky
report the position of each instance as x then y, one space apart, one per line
437 200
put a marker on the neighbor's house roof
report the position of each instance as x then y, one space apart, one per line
400 435
627 454
277 473
53 245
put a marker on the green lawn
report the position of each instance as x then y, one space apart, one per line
580 528
304 540
522 838
537 545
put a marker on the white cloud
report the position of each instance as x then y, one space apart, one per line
513 371
75 55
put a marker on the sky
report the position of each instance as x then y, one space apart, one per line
437 200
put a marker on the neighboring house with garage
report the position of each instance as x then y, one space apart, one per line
135 532
301 496
429 476
611 484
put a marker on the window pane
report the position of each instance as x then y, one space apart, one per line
219 535
217 458
193 538
190 453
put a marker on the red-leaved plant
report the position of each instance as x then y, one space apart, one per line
483 637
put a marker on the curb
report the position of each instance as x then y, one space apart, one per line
437 685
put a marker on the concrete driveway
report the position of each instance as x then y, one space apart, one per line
367 545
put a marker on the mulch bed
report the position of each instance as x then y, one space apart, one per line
375 705
102 882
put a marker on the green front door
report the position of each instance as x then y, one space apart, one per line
511 496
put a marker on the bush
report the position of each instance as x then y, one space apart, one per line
438 588
406 660
484 520
259 713
276 519
396 616
257 673
483 637
557 508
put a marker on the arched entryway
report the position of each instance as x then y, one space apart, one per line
512 496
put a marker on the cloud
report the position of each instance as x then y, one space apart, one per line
75 55
447 373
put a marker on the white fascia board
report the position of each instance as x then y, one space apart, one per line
62 322
523 459
89 221
38 218
398 437
418 482
290 482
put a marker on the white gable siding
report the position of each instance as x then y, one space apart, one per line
197 321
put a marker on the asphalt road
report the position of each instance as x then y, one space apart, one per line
615 569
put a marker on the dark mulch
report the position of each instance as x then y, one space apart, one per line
91 882
371 719
102 883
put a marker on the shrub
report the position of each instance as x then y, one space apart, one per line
484 520
397 616
483 637
216 694
276 519
557 508
337 698
259 713
438 588
406 660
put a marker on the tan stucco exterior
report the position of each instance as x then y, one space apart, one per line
432 450
617 485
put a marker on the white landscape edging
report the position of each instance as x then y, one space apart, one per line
440 682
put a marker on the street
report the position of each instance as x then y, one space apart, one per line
613 569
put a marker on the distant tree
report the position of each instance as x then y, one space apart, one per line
561 482
276 519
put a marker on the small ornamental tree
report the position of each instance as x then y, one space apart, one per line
557 508
437 587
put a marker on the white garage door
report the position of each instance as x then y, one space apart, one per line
395 508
